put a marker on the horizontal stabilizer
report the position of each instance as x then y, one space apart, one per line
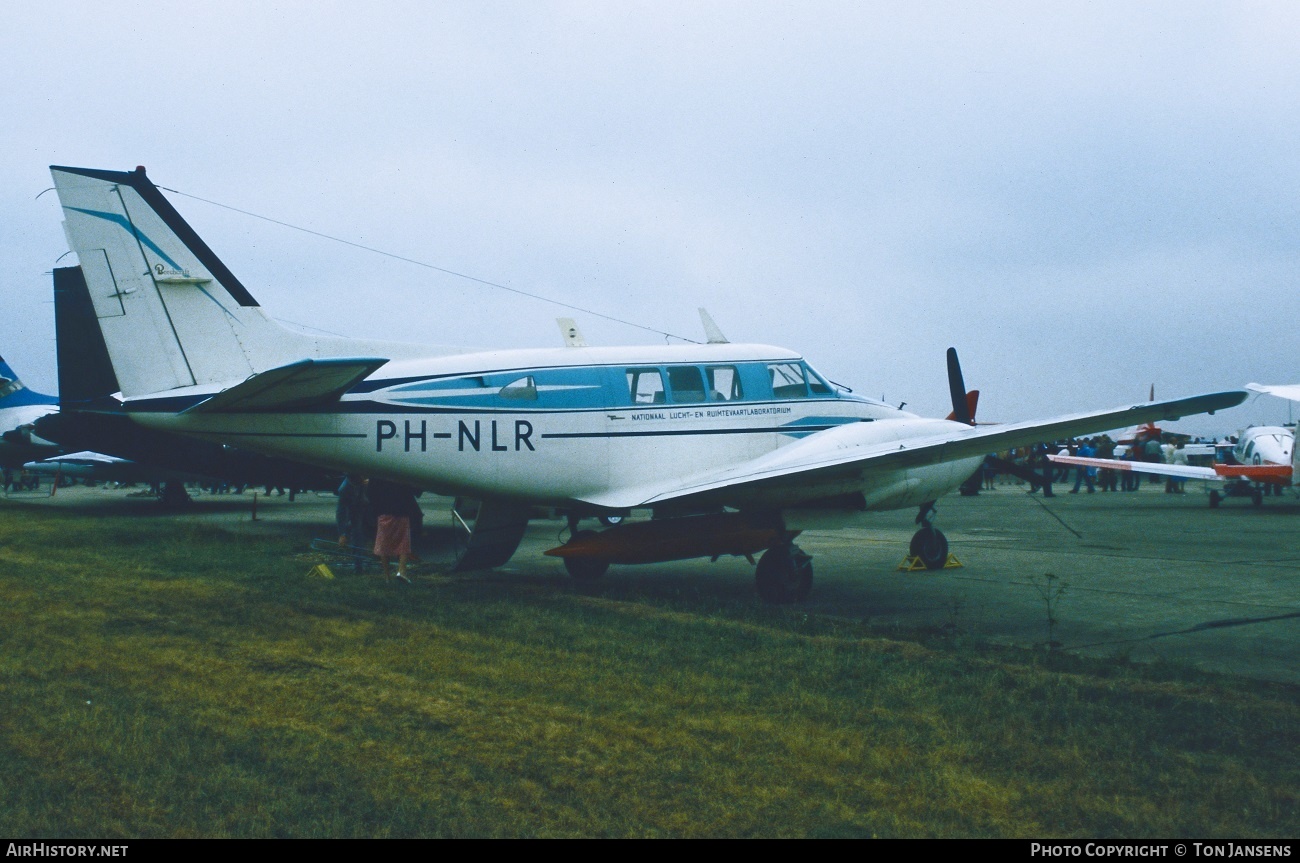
304 384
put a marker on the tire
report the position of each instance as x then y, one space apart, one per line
1256 497
784 575
174 495
585 570
931 546
1215 499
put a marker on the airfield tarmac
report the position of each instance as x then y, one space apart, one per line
1148 576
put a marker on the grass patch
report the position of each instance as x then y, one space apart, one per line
174 679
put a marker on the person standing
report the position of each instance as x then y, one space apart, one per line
1154 453
1179 458
349 513
1107 478
1082 472
393 505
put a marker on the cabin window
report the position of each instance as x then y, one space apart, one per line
787 380
724 384
646 386
524 389
686 383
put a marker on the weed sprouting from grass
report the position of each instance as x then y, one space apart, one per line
1050 589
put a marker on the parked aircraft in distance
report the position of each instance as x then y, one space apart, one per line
1262 455
736 447
97 467
20 408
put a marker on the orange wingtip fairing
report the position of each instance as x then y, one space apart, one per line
1274 473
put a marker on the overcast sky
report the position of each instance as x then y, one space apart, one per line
1085 199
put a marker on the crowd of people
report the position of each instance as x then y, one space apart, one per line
20 480
386 510
1031 464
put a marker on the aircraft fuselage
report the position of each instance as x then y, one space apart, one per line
1265 445
557 426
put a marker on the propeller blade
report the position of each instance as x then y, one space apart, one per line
957 388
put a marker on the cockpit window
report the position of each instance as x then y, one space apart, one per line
646 386
686 384
524 388
724 384
817 384
787 380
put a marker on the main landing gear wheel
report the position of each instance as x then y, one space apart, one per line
585 570
1256 497
930 546
1215 499
784 575
174 495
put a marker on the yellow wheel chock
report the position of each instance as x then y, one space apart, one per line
911 563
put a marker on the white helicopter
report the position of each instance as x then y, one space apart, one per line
735 447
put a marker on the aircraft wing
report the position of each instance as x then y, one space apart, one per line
1274 473
1182 471
1282 391
838 461
295 386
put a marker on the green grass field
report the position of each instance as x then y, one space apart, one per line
169 679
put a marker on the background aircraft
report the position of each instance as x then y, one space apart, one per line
97 467
1262 455
20 408
735 447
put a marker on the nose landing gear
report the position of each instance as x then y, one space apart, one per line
929 545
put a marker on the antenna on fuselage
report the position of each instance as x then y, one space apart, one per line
711 331
571 334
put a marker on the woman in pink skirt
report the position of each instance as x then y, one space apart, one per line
393 504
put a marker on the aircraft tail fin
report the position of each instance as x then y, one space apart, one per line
9 382
171 313
14 393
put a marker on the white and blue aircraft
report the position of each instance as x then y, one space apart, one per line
735 447
20 408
